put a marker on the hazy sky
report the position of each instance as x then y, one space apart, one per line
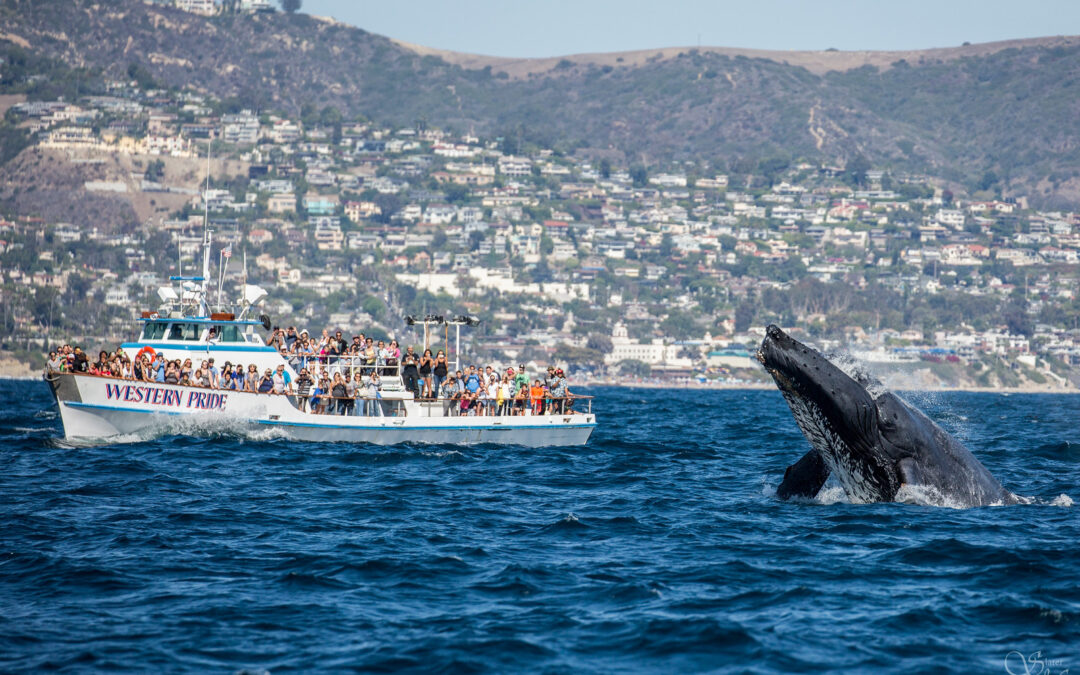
557 27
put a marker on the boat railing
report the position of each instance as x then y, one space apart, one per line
365 405
346 364
394 406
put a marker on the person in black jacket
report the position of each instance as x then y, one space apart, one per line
82 364
410 372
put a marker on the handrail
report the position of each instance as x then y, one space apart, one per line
548 404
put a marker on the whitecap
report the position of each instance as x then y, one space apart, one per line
926 495
831 494
1061 500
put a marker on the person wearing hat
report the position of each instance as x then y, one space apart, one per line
559 392
521 380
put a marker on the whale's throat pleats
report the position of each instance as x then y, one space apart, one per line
855 475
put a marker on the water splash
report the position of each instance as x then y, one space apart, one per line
1062 500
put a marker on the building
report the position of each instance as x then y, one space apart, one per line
655 352
328 234
515 166
241 128
357 211
282 202
320 205
204 7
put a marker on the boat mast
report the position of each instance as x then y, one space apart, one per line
206 233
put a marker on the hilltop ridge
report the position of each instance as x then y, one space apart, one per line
996 116
818 62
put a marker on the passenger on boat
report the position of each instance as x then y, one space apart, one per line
449 393
521 380
503 395
493 395
439 370
303 389
321 396
393 357
374 393
282 381
536 395
521 398
266 382
355 390
370 355
472 380
339 394
560 394
410 373
424 370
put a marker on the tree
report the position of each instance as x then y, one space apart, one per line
634 368
857 168
640 175
679 325
772 167
600 343
475 238
291 6
1017 319
666 245
605 168
155 169
744 314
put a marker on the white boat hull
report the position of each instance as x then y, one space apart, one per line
95 409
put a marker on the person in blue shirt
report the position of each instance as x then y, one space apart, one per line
158 366
472 380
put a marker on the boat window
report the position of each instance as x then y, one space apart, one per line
154 330
228 333
392 407
184 331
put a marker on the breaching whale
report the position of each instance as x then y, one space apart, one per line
872 444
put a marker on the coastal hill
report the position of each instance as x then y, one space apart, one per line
999 117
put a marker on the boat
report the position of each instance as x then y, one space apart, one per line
95 408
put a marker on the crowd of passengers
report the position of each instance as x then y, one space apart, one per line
335 377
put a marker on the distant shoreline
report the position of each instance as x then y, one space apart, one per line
766 387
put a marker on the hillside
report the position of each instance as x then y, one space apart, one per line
1001 117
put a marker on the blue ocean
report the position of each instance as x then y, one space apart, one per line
657 547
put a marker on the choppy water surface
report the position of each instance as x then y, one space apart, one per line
657 547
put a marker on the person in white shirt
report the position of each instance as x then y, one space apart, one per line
282 381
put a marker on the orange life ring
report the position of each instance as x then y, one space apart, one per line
145 350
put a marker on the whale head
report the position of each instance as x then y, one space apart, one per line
839 416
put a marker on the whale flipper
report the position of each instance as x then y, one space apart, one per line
804 478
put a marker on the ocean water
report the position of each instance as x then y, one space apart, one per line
657 547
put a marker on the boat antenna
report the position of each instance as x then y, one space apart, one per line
206 225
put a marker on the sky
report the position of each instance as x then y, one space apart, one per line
528 28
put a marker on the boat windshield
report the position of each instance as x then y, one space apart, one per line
154 330
184 331
227 333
